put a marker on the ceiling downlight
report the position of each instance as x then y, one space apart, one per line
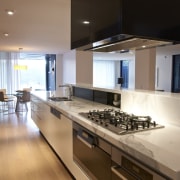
10 12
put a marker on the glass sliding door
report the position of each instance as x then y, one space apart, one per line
50 72
125 73
176 74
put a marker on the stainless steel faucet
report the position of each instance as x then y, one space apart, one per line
69 86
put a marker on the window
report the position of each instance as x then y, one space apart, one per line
22 71
105 72
34 76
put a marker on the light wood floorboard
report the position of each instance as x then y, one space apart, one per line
24 154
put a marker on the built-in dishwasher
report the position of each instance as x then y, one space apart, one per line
101 160
91 153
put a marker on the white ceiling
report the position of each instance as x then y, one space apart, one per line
38 26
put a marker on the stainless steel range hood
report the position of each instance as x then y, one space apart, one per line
124 43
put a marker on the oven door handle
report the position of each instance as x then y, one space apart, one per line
113 169
85 142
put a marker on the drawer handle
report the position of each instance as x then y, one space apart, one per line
85 142
113 169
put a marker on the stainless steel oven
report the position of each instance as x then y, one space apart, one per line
125 167
100 159
91 153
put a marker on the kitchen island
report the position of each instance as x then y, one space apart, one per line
158 149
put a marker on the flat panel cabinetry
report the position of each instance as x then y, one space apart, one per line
108 18
40 113
35 110
57 129
104 18
144 18
61 139
80 32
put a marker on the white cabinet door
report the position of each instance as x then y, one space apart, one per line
63 138
62 143
40 113
35 108
58 133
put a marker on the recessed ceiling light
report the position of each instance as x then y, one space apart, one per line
10 12
143 46
86 22
6 34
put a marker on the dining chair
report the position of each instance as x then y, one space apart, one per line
7 103
4 91
23 99
27 89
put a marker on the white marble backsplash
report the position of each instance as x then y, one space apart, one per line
163 108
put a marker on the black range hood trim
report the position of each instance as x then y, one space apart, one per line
132 42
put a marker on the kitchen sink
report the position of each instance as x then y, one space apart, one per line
60 99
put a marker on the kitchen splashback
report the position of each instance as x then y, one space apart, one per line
162 107
107 98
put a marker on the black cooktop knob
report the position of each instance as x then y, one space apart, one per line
137 126
101 116
106 124
127 127
143 125
154 123
132 127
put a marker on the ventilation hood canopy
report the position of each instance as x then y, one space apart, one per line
124 43
132 25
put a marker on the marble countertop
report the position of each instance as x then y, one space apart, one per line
158 148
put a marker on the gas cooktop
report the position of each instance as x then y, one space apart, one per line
120 122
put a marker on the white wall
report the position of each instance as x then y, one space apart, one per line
132 73
164 63
162 107
163 72
59 70
84 67
69 67
145 69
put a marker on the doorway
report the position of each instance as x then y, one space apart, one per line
50 72
125 73
176 74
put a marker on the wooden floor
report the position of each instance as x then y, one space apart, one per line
24 154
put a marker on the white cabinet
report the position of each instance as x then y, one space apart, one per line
40 113
62 142
58 132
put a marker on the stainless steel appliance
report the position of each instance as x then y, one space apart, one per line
100 159
125 167
120 122
91 153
